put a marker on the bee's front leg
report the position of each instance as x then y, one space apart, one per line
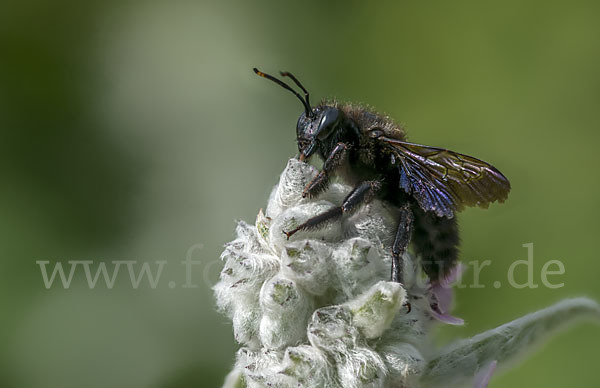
320 182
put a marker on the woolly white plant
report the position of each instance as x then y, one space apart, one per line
314 311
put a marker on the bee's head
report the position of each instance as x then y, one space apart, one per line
314 125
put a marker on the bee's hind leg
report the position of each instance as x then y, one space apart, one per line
361 194
401 241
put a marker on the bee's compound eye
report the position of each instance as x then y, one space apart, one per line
329 121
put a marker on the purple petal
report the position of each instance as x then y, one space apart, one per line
442 297
482 378
447 318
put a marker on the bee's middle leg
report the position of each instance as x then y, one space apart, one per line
361 194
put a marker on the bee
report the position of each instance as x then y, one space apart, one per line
428 185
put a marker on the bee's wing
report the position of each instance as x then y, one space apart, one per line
444 181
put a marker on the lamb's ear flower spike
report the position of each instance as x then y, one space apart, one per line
317 311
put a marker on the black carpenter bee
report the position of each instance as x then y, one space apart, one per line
428 184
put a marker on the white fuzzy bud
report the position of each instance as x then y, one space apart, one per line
308 263
373 311
285 309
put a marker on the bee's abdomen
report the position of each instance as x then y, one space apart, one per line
435 240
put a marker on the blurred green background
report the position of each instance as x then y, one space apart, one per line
137 130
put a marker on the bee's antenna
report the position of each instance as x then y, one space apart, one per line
306 94
307 107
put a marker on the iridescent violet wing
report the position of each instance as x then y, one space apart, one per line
445 181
